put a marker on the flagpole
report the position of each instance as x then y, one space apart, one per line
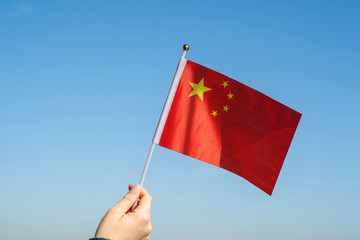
143 175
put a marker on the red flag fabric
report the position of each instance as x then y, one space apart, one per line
219 120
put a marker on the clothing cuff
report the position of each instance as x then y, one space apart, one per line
99 238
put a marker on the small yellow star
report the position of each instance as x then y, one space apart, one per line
199 89
230 95
225 84
214 113
225 108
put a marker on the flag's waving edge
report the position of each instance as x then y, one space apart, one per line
169 100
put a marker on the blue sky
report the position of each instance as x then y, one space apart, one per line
82 85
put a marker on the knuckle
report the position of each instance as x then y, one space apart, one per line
144 219
112 210
149 228
130 197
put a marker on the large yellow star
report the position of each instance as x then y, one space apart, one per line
199 89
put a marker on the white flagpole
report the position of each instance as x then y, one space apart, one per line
143 175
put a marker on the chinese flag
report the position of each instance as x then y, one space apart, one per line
215 119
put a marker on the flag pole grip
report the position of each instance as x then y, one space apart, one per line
146 167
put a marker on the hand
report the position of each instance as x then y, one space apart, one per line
121 224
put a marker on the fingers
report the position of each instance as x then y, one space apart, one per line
128 200
142 192
144 205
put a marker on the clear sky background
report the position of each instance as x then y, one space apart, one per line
82 86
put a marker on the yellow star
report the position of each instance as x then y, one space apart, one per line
199 89
225 84
214 113
230 95
225 108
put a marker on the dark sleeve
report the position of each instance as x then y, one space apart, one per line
99 239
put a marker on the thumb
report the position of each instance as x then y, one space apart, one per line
128 200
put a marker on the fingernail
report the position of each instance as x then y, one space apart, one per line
135 189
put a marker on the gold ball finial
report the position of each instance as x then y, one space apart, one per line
186 47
